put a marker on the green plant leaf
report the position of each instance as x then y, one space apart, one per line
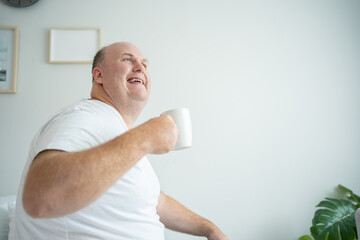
353 196
334 218
306 237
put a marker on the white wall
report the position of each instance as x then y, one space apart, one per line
273 89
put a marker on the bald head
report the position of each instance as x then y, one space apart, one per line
99 58
121 48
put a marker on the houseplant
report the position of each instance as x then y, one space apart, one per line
334 218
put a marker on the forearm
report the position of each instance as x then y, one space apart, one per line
177 217
59 183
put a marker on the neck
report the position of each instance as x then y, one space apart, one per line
130 113
129 110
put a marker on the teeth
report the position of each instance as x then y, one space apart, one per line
135 80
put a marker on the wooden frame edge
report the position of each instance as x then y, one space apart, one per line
77 28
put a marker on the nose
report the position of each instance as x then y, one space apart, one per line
139 67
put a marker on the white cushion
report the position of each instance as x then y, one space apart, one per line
4 217
11 208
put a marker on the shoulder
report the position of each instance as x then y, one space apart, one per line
89 115
85 111
81 125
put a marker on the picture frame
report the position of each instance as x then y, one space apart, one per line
8 59
73 45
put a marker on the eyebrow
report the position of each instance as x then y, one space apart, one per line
144 60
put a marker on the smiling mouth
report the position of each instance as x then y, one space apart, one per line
136 80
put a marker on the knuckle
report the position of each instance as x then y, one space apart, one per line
169 119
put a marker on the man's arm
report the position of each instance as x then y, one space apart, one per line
60 183
177 217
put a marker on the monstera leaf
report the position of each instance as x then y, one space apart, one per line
306 237
334 218
352 196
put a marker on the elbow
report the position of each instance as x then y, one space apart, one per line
35 207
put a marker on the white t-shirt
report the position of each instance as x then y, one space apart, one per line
127 210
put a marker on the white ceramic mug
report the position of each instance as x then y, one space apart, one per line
181 117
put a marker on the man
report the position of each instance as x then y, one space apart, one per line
87 176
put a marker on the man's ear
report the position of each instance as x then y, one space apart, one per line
97 75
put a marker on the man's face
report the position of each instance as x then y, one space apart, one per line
124 74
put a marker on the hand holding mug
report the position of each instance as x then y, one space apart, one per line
160 133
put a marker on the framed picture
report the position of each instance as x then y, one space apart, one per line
8 59
73 45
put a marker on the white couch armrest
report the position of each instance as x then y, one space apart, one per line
4 215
